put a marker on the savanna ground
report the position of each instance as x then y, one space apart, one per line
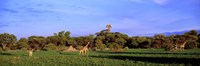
131 57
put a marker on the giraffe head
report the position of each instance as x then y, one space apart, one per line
87 44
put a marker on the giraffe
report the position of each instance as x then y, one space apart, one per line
30 51
182 46
177 47
84 50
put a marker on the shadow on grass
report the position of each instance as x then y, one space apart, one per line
164 53
164 60
5 53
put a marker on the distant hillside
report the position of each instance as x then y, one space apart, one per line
178 32
168 33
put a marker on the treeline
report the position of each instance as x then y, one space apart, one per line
101 40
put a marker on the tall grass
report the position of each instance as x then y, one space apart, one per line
132 57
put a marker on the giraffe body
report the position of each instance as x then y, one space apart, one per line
84 50
182 46
30 51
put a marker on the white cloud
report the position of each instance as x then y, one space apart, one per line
160 2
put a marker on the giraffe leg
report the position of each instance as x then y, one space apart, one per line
80 52
30 53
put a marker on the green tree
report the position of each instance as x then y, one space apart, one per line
158 41
72 42
50 46
38 42
63 37
99 44
111 38
79 40
83 40
192 39
108 27
67 35
192 32
53 39
199 41
132 43
121 42
22 43
7 40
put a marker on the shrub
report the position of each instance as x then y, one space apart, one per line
191 44
21 45
101 46
114 46
1 49
126 48
79 47
50 46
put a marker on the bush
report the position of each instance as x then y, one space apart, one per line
79 47
114 46
101 46
21 45
170 47
1 49
126 48
50 46
6 48
61 48
24 49
191 44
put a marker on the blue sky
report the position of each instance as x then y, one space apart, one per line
83 17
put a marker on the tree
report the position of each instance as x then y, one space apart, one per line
108 27
199 41
90 39
38 42
120 41
139 42
158 41
53 39
99 44
83 40
192 32
22 43
63 37
42 41
6 40
112 38
114 46
132 43
79 40
191 44
71 42
50 46
192 39
67 35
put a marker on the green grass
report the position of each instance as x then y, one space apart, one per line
132 57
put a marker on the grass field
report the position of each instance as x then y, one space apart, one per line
131 57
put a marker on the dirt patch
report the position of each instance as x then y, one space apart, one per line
70 49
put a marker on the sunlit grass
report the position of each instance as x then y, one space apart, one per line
132 57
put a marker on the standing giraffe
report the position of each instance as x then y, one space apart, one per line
84 50
182 46
30 51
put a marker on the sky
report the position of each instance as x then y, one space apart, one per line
25 18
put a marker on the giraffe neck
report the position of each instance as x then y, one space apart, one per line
87 44
184 43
